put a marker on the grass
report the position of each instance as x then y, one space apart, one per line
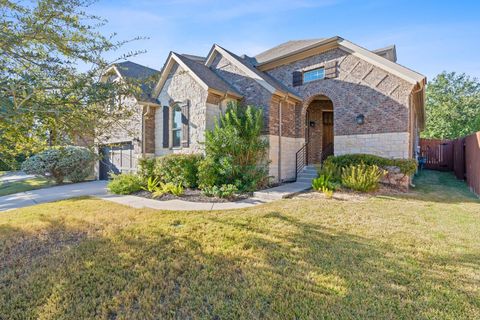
7 188
412 256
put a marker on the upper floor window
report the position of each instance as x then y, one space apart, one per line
176 126
313 75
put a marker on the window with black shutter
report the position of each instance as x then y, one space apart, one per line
166 124
297 78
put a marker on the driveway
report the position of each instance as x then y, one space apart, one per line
28 198
13 176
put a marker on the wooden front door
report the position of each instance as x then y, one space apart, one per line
327 134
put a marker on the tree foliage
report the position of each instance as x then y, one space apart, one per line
452 106
235 150
44 98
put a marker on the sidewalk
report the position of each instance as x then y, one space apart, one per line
99 190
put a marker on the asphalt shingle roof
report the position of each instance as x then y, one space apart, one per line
138 72
211 79
285 49
247 61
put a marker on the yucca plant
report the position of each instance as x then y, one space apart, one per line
362 177
152 184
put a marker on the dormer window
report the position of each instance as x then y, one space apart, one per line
312 75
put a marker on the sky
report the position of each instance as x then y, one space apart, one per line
430 36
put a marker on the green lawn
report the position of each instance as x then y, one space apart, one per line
412 256
24 185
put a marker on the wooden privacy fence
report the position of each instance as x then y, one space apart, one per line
438 154
462 156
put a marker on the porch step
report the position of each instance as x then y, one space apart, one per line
287 190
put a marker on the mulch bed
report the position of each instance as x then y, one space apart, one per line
192 195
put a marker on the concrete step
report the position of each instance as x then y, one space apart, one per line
305 180
283 191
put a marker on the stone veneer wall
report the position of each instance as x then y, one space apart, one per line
289 148
388 145
180 86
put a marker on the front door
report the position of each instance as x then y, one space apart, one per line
319 133
327 134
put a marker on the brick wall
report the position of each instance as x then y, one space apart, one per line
359 88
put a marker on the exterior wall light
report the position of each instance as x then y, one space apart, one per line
360 119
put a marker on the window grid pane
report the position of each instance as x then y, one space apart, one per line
314 75
177 137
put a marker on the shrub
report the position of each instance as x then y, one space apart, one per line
163 188
236 150
152 184
407 166
146 167
125 183
323 182
331 170
58 163
327 192
178 169
223 191
362 177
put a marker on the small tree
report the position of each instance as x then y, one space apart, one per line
236 150
58 163
452 106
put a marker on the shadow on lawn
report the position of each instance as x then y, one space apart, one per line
268 266
437 186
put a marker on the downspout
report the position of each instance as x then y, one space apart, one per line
412 102
144 130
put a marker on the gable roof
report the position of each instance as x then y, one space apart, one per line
208 79
137 72
244 64
284 49
285 53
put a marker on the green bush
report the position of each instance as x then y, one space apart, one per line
331 170
223 191
125 183
236 150
178 169
323 182
58 163
163 188
152 184
362 177
146 167
407 166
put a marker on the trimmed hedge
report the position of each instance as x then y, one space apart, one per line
406 166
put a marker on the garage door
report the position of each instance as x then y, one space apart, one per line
117 158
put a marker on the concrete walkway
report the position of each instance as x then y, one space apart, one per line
50 194
179 205
99 190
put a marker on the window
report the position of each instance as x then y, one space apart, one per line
313 75
176 126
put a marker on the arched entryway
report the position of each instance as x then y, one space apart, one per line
319 129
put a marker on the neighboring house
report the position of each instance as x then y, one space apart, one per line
319 97
133 138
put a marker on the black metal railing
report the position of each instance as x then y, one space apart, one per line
301 159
